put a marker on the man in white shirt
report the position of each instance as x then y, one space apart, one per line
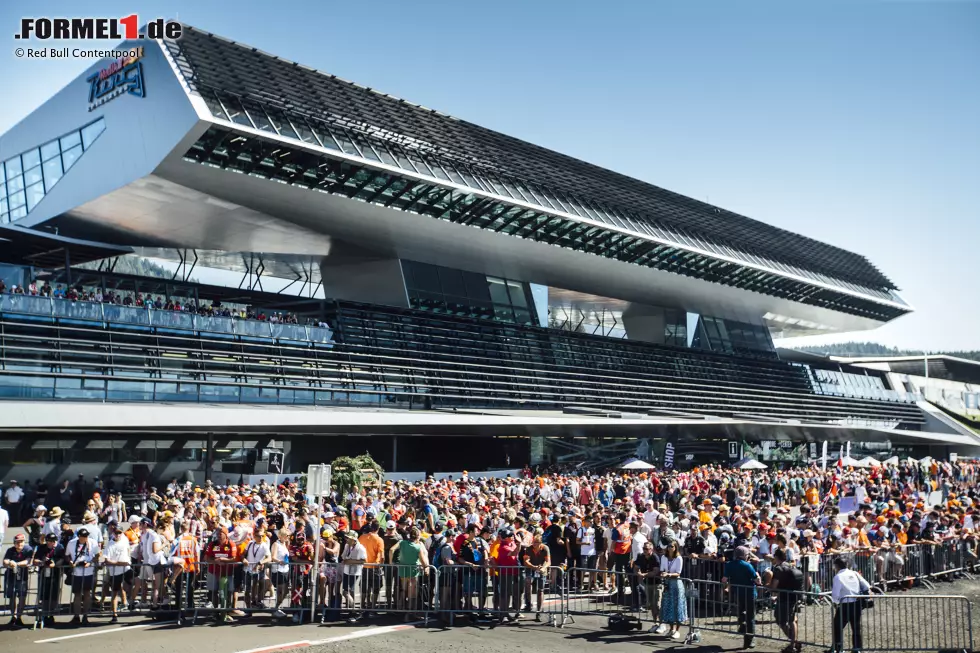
847 585
14 496
353 558
83 554
636 547
585 538
118 562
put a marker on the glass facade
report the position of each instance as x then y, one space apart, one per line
455 292
414 157
732 337
247 154
27 177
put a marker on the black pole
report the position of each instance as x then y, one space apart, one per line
209 457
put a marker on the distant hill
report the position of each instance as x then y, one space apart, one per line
137 265
875 349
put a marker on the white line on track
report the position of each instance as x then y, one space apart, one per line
103 631
303 643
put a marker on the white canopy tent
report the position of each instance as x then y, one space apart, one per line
635 463
750 463
847 461
868 461
891 461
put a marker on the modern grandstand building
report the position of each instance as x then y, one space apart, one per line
465 299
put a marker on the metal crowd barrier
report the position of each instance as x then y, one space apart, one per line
757 612
905 623
501 593
334 592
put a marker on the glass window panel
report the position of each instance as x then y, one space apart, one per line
437 170
476 287
3 175
281 124
419 164
259 117
325 137
68 157
452 282
403 161
91 132
18 213
17 200
426 277
32 176
13 167
453 174
214 106
34 195
69 141
346 145
31 158
49 150
367 150
233 107
15 184
385 154
517 295
4 217
498 290
303 131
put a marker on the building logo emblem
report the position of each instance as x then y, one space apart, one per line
122 76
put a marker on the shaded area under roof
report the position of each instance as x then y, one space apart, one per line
22 246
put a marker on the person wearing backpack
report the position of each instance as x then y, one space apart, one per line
788 580
442 555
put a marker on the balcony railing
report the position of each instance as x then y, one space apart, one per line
160 319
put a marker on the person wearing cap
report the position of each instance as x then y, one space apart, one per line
506 562
48 559
743 580
53 522
353 556
16 563
34 526
14 496
118 562
82 553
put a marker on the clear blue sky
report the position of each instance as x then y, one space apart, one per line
857 123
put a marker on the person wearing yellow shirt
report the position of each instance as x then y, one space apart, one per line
812 495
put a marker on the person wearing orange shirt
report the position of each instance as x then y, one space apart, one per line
372 572
186 559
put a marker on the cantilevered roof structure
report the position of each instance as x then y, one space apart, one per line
229 149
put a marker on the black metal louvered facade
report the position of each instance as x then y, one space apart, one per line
211 64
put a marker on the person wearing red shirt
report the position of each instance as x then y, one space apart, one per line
506 561
220 556
300 564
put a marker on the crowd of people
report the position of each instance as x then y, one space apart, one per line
633 537
140 300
